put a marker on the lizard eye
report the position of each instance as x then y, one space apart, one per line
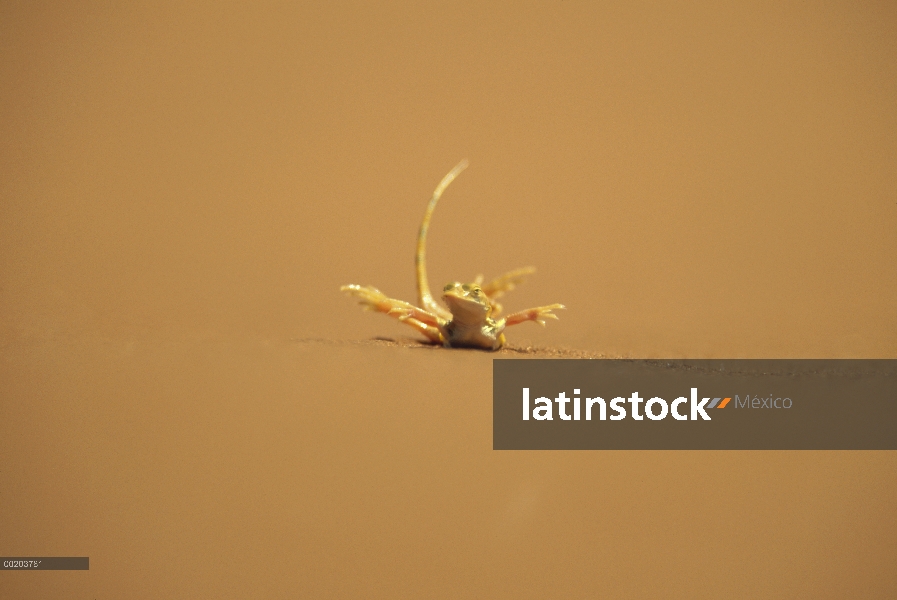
449 286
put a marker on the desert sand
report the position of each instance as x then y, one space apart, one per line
187 399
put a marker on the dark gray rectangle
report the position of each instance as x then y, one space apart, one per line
45 563
772 404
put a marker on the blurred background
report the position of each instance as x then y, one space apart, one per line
689 179
183 189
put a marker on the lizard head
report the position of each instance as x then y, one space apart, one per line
467 302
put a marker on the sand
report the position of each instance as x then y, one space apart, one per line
187 399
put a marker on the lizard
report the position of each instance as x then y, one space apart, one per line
473 316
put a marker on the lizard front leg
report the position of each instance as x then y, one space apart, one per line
538 314
373 299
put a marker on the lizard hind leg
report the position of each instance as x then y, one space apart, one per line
507 282
496 288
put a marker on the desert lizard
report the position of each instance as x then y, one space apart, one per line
472 319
